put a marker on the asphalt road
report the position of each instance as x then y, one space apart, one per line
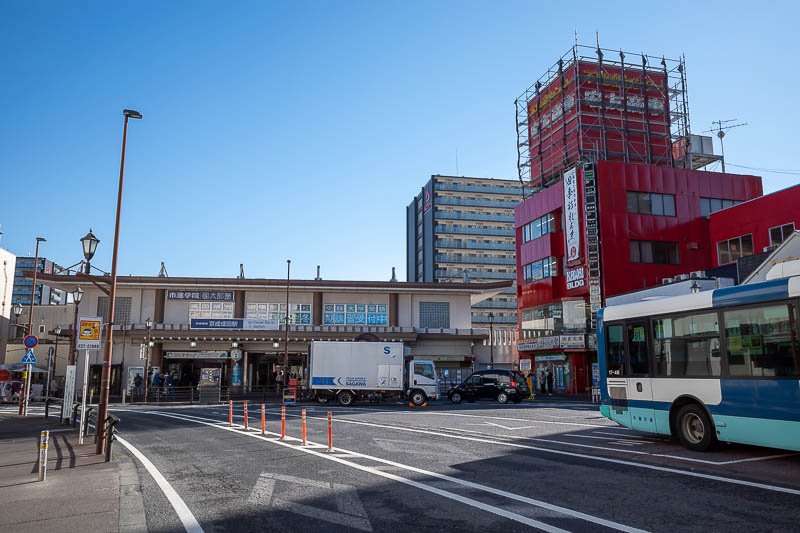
471 467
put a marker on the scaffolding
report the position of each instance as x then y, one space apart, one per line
595 104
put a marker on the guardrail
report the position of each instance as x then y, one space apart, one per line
192 394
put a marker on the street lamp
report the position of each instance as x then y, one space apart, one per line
89 243
148 324
285 379
17 310
491 340
77 296
26 386
105 383
51 362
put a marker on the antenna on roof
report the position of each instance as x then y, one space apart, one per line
318 278
394 277
721 126
163 272
241 271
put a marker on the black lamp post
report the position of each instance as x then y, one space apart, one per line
491 340
89 243
77 296
17 310
147 324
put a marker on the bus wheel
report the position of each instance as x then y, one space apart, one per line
345 398
695 430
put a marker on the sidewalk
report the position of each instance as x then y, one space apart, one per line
81 493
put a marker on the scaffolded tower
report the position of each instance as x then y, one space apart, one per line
596 104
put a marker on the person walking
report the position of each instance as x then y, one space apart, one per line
549 382
137 383
542 382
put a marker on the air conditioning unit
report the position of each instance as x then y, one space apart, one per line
698 274
770 248
666 281
681 277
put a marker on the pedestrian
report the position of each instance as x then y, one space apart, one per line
542 381
53 387
167 383
137 383
532 375
549 382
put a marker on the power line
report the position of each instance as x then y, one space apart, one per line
792 172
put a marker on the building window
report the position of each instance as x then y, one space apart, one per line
434 315
122 309
355 314
654 252
541 226
651 203
732 249
544 268
712 205
779 234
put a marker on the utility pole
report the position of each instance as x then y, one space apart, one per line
720 127
26 383
286 347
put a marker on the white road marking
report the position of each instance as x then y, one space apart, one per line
475 503
734 481
734 461
188 520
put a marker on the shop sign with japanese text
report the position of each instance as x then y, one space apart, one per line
201 296
572 230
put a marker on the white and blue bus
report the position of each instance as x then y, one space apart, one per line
721 365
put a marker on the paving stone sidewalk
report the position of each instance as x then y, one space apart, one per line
81 493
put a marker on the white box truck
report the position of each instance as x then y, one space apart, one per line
347 371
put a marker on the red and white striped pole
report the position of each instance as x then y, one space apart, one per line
230 413
283 422
263 418
245 416
304 427
330 433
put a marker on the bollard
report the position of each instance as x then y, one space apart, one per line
304 427
263 418
43 455
245 416
230 414
283 422
330 433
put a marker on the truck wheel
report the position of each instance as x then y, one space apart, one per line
502 397
695 430
455 397
417 397
345 398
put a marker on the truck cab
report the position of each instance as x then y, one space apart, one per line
422 384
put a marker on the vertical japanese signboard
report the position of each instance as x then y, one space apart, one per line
572 228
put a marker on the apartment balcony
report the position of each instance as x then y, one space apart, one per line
458 187
457 215
462 259
451 200
450 243
463 230
473 276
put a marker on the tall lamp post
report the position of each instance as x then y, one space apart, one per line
17 310
286 348
105 382
26 384
51 363
148 324
491 340
77 296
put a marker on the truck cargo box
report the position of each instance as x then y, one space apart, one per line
356 365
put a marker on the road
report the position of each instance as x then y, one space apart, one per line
472 467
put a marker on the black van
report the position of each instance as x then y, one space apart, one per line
500 385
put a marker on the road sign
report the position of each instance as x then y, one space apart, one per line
89 333
31 341
5 375
29 358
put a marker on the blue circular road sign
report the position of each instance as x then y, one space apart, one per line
31 341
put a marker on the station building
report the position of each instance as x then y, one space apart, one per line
204 326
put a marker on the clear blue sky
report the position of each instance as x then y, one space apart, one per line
302 129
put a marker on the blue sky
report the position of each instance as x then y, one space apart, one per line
301 130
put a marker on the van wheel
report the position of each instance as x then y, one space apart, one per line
695 430
345 398
417 397
502 397
455 397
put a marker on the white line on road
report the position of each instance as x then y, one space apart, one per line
187 518
475 503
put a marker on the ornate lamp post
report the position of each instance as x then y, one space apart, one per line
148 324
17 310
89 243
77 296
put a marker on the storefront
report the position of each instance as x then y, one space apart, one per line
567 357
190 368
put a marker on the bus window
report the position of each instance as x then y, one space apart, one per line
687 346
615 355
762 341
637 341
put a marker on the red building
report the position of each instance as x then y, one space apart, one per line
754 227
625 227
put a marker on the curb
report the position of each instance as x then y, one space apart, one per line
131 505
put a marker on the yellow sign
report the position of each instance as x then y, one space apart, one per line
89 328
